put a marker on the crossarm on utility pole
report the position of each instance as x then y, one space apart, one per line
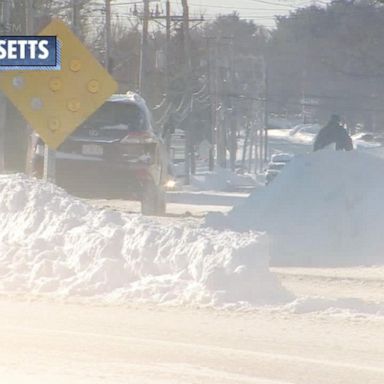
6 16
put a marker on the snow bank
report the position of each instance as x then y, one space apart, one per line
53 243
326 208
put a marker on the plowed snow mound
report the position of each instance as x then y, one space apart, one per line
52 242
326 208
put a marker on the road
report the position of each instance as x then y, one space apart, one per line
181 203
358 284
47 341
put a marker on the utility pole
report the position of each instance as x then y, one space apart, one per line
168 20
213 103
266 111
224 88
6 16
107 35
146 16
233 116
187 47
144 50
188 69
49 154
29 17
76 17
252 146
220 149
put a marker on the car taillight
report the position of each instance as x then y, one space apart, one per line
39 150
170 184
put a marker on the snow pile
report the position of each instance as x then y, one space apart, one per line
326 208
53 243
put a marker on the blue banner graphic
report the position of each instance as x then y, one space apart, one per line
37 53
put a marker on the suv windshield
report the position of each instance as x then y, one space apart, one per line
114 120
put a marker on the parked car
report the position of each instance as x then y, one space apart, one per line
114 153
275 166
367 140
281 157
365 136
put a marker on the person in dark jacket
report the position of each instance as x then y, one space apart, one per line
333 132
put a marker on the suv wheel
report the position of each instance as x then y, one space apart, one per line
153 201
161 203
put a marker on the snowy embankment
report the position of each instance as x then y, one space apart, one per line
326 208
53 243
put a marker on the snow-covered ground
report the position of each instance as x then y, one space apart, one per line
46 342
92 293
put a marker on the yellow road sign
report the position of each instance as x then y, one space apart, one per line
55 103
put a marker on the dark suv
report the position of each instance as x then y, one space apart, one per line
114 153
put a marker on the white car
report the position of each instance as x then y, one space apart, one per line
277 163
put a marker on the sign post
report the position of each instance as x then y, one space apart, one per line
3 107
